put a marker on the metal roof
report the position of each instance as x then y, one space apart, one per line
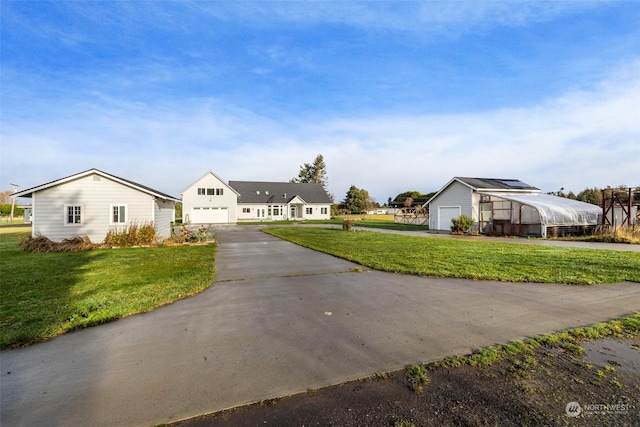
278 192
489 184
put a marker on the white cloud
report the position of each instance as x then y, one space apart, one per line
582 139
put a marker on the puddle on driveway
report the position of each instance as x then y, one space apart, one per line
621 354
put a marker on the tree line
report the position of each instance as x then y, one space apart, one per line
358 200
594 195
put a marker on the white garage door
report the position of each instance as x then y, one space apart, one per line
209 215
445 215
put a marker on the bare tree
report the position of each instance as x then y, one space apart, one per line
5 197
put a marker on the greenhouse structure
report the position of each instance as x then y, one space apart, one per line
510 207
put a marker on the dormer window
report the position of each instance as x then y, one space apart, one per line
258 192
266 193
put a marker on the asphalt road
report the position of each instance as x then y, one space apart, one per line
280 319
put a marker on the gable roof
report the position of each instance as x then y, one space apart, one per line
279 192
509 185
217 177
143 188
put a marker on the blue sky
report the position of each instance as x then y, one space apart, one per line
397 96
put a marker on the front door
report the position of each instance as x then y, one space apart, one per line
293 212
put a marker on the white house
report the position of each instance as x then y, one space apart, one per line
209 200
93 202
260 201
509 206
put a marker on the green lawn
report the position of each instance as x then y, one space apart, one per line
441 257
386 224
4 221
364 221
46 294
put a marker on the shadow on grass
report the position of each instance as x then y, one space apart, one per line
38 298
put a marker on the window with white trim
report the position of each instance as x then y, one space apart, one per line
73 214
118 214
219 191
323 211
246 210
201 191
309 211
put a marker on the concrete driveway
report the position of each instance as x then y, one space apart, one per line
280 319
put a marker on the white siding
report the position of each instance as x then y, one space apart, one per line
260 212
455 195
191 199
316 212
265 212
164 216
96 194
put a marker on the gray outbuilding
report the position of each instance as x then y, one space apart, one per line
509 207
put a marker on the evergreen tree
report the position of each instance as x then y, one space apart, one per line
356 200
313 173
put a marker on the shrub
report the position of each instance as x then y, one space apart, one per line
417 377
40 243
186 235
147 234
461 224
347 225
132 235
201 235
5 210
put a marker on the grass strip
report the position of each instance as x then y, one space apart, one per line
569 340
440 257
43 295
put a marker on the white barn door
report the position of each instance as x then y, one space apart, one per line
446 214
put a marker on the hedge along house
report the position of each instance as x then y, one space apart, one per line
91 203
510 207
272 201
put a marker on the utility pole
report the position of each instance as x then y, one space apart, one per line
13 200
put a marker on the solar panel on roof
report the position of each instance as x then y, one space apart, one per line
514 183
